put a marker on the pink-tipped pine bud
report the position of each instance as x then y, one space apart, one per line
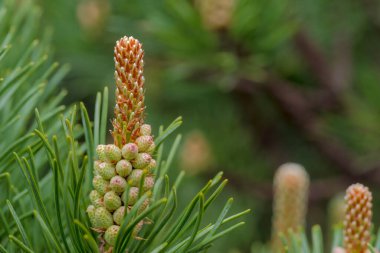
357 223
101 152
96 199
118 215
144 142
112 201
148 183
123 168
106 170
145 129
141 161
113 153
118 184
100 184
111 234
91 214
151 166
130 151
133 195
291 184
135 177
144 206
103 218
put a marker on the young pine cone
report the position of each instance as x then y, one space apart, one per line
129 160
357 222
291 185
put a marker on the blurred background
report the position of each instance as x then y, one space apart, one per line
258 83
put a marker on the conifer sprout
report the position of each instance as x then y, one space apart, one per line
358 219
291 185
216 14
129 160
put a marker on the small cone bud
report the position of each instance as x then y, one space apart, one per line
118 184
357 223
102 218
101 152
148 183
123 168
142 160
151 166
151 148
112 201
144 206
130 151
100 185
137 229
144 142
118 215
135 177
133 194
291 184
96 199
106 170
145 129
91 214
111 234
113 153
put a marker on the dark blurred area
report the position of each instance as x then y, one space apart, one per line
258 83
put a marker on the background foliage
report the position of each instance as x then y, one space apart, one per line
283 81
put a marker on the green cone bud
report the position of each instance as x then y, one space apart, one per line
100 185
101 152
135 177
91 214
102 218
148 183
151 166
132 196
118 184
137 229
96 166
112 201
141 161
145 129
106 170
151 148
123 168
144 142
129 151
144 206
118 215
113 153
111 234
96 199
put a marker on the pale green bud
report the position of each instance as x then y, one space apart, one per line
91 214
144 142
113 153
135 177
141 161
145 129
106 170
96 199
123 168
129 151
133 194
118 184
112 201
148 183
100 185
102 218
151 166
111 234
101 152
151 148
118 215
